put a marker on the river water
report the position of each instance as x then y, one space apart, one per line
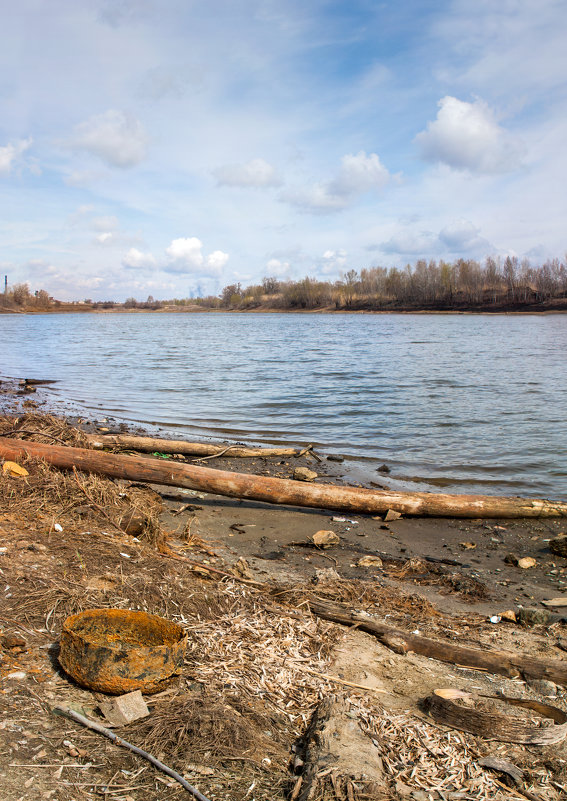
454 403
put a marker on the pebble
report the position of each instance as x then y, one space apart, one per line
304 474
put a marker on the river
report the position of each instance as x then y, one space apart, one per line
450 402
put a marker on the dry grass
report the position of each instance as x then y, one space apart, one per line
44 428
361 594
50 494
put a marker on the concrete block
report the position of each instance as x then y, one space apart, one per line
124 708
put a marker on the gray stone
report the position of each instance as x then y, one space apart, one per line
558 546
534 617
543 687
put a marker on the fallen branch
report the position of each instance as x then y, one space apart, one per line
151 444
92 724
280 490
504 663
338 752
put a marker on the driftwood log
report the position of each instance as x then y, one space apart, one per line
279 490
444 707
336 753
151 444
504 663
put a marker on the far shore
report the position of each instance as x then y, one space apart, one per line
78 308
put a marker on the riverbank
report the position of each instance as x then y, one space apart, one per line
554 307
258 665
477 547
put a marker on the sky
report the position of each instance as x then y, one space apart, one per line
173 147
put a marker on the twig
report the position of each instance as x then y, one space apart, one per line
296 789
91 724
199 566
328 556
19 625
38 433
518 791
86 766
215 455
337 680
99 508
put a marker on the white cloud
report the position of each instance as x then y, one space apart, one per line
216 261
496 40
119 139
357 174
466 136
315 198
333 261
255 173
186 256
105 238
108 223
137 260
82 178
11 153
277 267
408 242
457 237
123 12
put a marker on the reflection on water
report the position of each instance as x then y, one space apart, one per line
463 402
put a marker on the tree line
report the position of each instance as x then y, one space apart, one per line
465 284
462 284
20 296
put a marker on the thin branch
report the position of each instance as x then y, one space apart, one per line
94 726
38 433
97 506
215 455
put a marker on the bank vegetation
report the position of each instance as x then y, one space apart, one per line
463 285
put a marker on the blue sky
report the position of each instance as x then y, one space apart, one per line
170 148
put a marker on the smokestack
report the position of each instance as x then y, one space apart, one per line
5 284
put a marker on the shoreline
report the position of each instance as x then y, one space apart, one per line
352 467
77 309
414 537
238 576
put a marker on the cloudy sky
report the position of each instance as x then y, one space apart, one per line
171 147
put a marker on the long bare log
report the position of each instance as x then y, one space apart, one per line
278 490
504 663
151 444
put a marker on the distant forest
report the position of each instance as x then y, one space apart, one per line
463 285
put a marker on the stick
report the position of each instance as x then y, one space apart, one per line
150 444
504 663
215 455
92 724
280 490
346 683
